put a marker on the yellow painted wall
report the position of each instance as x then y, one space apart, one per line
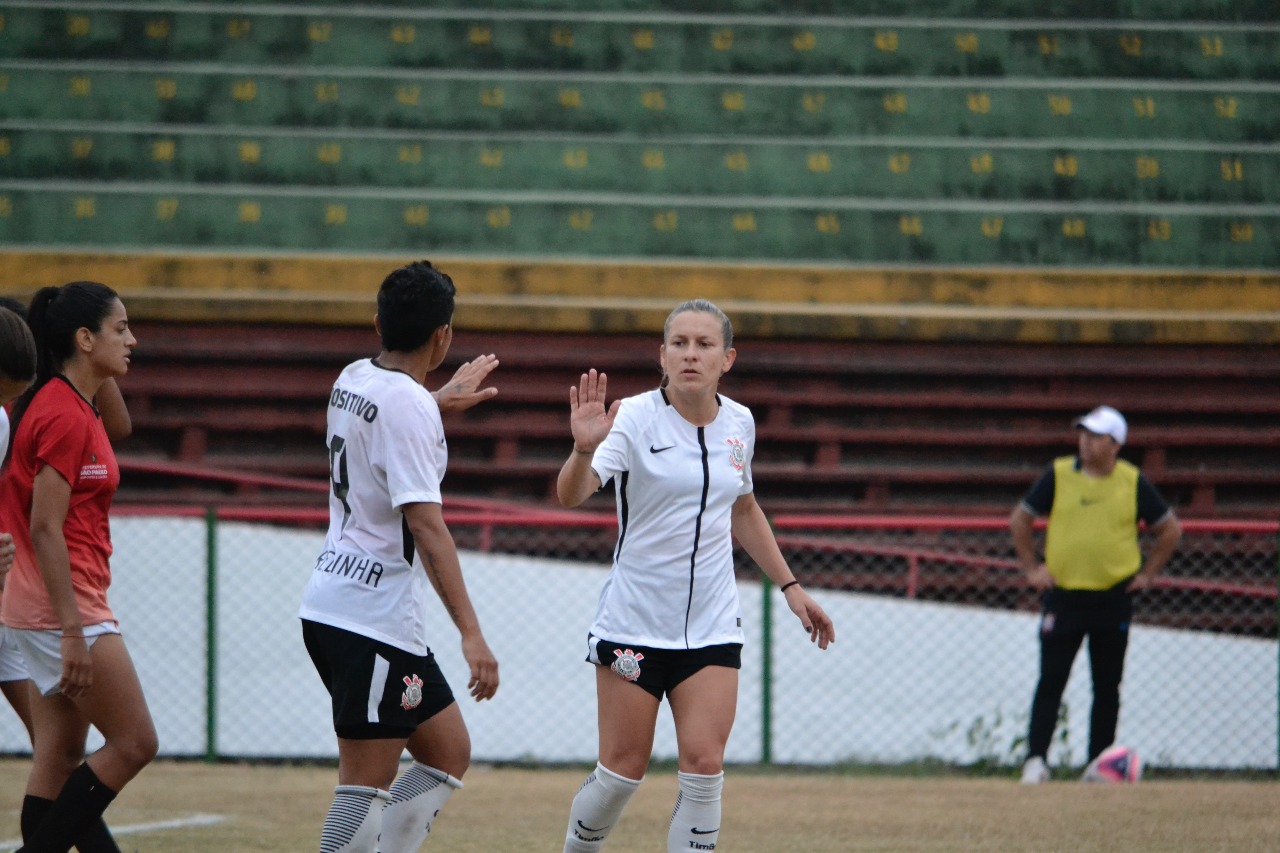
815 302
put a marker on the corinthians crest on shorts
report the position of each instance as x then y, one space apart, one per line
737 453
628 663
412 695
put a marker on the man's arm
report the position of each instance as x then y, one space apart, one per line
1168 533
1022 529
439 558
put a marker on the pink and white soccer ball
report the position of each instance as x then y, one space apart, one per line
1115 764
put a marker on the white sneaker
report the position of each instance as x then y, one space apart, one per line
1035 771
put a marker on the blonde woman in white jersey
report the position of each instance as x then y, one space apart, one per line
669 621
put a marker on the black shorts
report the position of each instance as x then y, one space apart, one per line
658 671
1083 611
378 690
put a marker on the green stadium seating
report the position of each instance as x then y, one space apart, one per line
728 106
462 39
1091 133
915 169
490 223
1237 10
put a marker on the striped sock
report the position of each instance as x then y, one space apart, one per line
416 798
354 820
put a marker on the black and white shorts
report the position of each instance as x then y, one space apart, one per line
378 690
658 671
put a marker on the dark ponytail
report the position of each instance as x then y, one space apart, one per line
55 315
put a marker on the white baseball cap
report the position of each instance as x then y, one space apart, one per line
1105 420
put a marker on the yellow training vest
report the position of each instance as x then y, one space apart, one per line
1092 537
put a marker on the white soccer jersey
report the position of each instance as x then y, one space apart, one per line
672 584
386 449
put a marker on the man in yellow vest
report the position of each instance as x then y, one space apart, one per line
1093 565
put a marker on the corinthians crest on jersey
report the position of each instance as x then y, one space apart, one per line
737 453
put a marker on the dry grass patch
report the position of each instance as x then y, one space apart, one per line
270 808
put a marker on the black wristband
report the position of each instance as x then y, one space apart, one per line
787 586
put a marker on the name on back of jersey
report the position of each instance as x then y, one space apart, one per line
361 568
350 401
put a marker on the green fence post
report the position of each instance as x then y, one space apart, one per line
766 672
211 636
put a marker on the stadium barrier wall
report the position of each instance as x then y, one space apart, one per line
935 662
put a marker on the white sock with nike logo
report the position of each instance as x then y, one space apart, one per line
695 821
596 809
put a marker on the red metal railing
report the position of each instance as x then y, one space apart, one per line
486 516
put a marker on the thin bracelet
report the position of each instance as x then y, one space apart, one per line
583 452
787 586
73 636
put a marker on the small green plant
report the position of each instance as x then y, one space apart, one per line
994 746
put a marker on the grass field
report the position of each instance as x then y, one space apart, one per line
245 808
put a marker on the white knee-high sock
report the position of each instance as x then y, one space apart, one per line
354 820
596 809
695 821
416 798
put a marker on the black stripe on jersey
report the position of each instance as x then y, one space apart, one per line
407 538
697 526
622 525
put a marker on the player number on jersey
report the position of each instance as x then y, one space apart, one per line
338 477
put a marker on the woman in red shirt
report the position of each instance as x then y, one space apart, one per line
55 499
17 372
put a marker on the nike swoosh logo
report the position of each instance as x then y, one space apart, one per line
653 449
589 829
697 831
1087 502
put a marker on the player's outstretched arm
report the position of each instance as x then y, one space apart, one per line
752 530
439 557
463 390
589 423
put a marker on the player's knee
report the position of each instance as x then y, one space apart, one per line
455 766
448 756
64 759
139 747
706 762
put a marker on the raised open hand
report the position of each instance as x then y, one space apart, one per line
463 391
589 420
